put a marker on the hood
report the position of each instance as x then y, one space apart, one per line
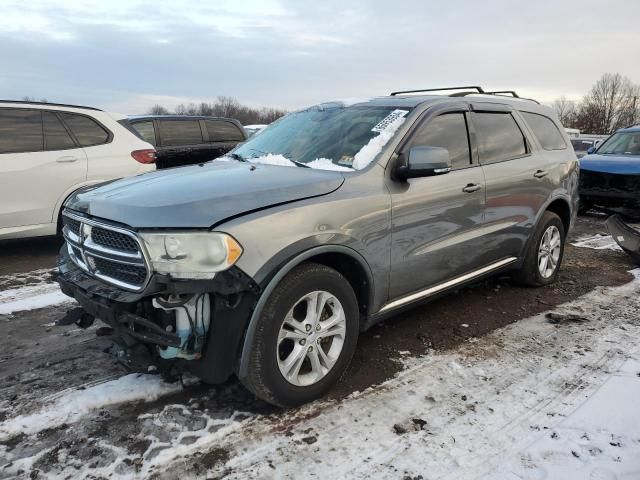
619 164
201 196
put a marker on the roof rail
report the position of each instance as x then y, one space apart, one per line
400 92
24 102
497 93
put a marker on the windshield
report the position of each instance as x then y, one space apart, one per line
581 144
327 136
622 143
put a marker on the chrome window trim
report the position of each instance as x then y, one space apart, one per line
86 246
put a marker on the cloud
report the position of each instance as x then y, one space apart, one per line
128 55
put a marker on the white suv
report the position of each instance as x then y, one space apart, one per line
48 151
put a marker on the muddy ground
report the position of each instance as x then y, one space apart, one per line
40 360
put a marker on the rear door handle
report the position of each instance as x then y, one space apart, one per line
472 187
540 173
67 159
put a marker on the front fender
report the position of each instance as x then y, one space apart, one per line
271 279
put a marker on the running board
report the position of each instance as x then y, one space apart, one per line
448 284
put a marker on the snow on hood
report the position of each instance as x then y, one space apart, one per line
327 164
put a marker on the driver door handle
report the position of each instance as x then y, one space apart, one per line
67 159
540 173
472 187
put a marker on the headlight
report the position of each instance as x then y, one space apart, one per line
191 254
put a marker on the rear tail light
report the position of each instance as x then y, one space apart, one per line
144 156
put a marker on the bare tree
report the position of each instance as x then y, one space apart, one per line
158 110
28 98
228 107
566 110
612 103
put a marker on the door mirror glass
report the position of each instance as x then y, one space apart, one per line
424 162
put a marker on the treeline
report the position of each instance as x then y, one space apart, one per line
613 102
224 107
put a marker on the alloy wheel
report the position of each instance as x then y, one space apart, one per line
549 251
311 338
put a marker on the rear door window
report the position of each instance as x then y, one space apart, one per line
499 137
221 131
146 131
20 130
180 132
86 130
56 136
446 131
545 131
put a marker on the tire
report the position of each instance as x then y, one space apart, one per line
270 353
530 273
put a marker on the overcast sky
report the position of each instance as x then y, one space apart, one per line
126 55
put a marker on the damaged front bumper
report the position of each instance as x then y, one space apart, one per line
609 189
625 236
199 321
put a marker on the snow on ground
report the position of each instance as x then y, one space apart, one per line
76 403
531 401
597 242
31 297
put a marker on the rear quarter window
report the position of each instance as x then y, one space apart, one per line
545 131
20 130
499 137
56 136
86 130
221 131
180 132
146 131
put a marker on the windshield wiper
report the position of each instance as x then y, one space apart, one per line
236 156
295 162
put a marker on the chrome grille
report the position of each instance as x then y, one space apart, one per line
111 239
109 253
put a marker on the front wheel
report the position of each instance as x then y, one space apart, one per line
305 337
544 255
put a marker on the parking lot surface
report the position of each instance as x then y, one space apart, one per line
69 408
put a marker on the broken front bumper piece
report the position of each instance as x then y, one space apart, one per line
201 322
628 238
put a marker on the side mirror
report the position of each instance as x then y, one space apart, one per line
423 162
591 150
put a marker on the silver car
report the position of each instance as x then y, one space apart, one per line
268 262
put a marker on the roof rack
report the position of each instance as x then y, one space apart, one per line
24 102
479 90
468 91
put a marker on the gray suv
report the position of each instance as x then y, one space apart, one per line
267 263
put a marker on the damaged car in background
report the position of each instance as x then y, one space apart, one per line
610 174
268 262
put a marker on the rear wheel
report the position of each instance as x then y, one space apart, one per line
305 338
544 255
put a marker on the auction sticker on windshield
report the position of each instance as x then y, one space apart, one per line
386 121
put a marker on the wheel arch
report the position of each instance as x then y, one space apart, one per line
343 259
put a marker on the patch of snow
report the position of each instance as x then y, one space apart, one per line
75 403
31 297
372 149
483 410
271 159
597 242
327 164
598 440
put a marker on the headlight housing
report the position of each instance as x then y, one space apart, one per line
194 255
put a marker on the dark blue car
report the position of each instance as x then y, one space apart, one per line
610 174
